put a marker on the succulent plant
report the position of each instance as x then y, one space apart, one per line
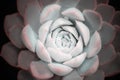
63 39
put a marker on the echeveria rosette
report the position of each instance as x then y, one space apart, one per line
63 39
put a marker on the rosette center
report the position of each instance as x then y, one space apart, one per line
64 40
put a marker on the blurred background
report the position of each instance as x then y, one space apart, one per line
8 72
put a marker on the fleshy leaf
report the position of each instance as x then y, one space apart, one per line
50 42
94 45
50 12
58 55
10 53
112 67
107 33
12 20
89 66
87 4
106 12
93 20
59 69
71 30
99 75
67 3
116 18
55 77
76 61
44 3
29 38
73 76
42 52
84 31
44 30
21 6
74 41
106 54
14 36
78 48
60 22
25 58
55 32
13 26
40 70
24 75
102 1
117 39
32 15
73 13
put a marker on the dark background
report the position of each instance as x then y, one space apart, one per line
8 7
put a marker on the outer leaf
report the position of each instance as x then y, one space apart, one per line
89 66
10 54
44 3
117 39
107 54
25 58
14 36
116 19
112 67
21 5
85 4
40 70
12 20
102 1
32 15
107 33
99 75
70 3
24 75
73 76
55 77
13 25
93 20
106 12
